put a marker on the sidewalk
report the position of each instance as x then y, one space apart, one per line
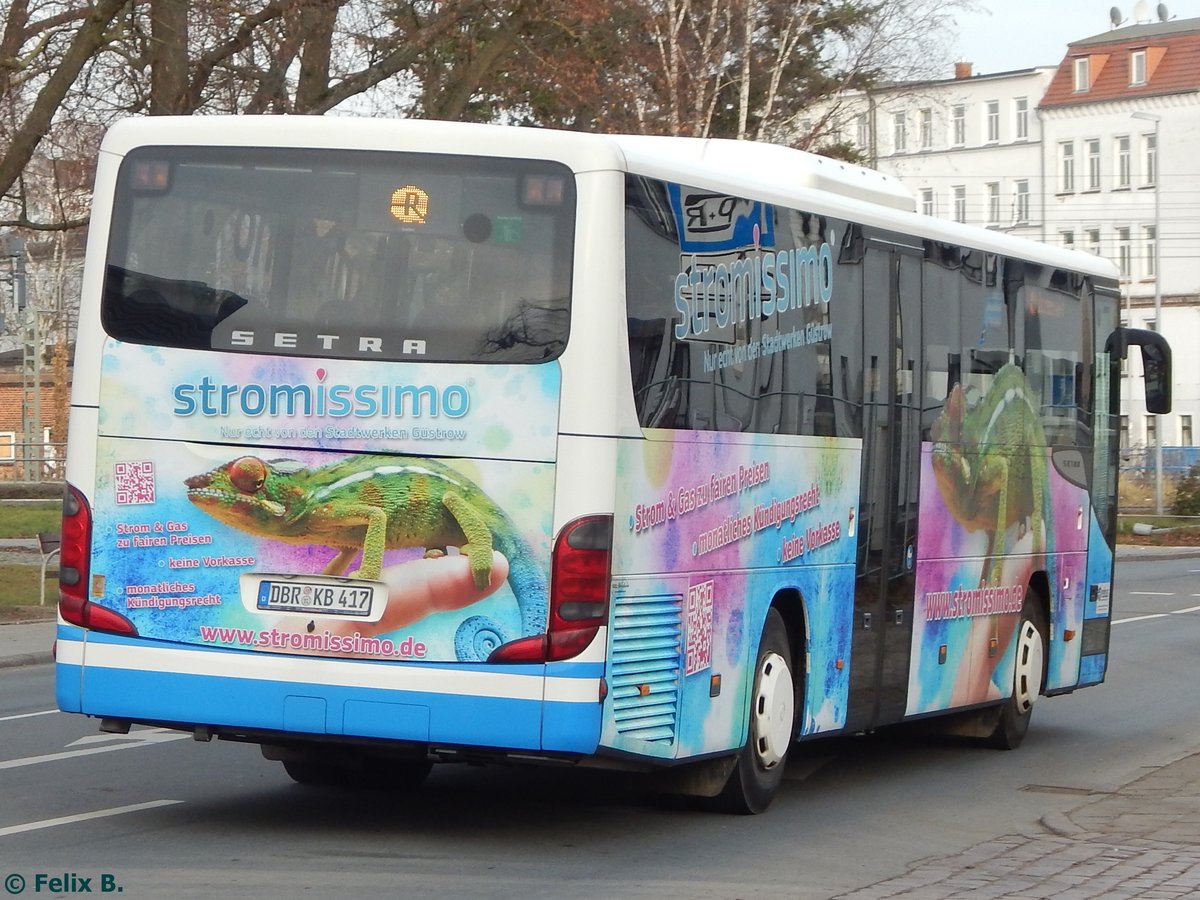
26 644
1141 841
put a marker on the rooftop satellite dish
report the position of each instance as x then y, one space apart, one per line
1141 11
1114 16
1162 12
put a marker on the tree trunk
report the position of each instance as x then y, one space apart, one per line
168 57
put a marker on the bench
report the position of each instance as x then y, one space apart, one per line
50 542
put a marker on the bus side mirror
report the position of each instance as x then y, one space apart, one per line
1156 363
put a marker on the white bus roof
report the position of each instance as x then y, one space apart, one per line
757 171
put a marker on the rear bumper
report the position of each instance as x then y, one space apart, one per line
553 708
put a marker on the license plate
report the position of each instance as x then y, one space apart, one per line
331 599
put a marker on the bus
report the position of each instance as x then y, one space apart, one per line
396 443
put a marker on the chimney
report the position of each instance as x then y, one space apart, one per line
962 70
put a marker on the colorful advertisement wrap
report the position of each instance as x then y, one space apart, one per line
709 527
996 506
344 405
259 545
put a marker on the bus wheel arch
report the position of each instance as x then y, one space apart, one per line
1029 668
775 708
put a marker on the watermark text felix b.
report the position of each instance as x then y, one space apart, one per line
64 883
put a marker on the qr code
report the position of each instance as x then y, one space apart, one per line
134 482
698 625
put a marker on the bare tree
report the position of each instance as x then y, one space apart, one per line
735 68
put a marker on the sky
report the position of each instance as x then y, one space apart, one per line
1020 34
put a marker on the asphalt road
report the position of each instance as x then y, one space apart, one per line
161 815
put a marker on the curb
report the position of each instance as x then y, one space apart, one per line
26 659
1061 825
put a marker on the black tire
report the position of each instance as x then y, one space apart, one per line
773 709
1029 677
376 774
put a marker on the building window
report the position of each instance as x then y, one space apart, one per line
991 196
1124 431
1082 74
1151 431
1150 144
1150 237
8 446
1066 167
927 129
900 132
1093 240
960 203
993 121
1150 324
1185 431
1124 162
958 117
862 131
1137 67
927 201
1020 202
1124 252
1092 145
1022 118
1068 239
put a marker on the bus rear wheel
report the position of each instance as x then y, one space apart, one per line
760 763
1029 677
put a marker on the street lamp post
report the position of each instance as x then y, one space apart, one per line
1158 324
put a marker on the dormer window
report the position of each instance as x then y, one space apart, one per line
1137 67
1082 74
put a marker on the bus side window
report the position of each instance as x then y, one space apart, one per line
943 368
1053 326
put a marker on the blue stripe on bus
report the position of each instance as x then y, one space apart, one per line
571 727
68 687
70 632
312 708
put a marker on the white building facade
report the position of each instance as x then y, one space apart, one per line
969 148
1120 126
1077 155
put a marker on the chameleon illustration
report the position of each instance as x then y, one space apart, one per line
373 504
990 464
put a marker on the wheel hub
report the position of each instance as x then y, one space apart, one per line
774 710
1027 681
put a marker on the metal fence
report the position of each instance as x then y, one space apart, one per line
1176 461
31 462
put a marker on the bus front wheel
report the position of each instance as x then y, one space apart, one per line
1029 675
760 764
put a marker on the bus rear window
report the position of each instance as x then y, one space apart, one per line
342 254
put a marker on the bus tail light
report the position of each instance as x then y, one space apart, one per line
580 573
74 570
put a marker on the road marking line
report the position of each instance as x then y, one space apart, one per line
1139 618
88 751
1152 593
44 712
1190 609
83 817
143 735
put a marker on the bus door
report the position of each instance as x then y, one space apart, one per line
883 600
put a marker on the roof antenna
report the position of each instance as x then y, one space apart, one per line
1114 16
